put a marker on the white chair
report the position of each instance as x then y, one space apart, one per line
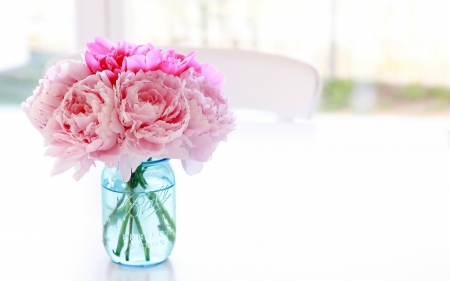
289 87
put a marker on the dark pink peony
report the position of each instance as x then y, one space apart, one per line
103 55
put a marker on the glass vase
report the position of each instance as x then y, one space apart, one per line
139 215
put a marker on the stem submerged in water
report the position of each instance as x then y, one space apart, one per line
163 216
144 241
111 215
131 218
121 236
130 228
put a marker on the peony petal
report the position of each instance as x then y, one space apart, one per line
112 63
150 147
153 59
111 76
94 146
135 63
54 150
112 155
213 75
191 167
100 46
82 168
185 61
125 167
105 79
61 165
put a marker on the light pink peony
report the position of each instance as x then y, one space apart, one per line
51 90
215 77
210 120
153 113
80 130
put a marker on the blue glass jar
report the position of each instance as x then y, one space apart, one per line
139 215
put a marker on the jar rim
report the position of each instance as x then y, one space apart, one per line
155 161
140 190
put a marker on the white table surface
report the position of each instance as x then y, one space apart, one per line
360 198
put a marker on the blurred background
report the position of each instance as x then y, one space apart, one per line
375 56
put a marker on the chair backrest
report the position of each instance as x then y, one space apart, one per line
289 87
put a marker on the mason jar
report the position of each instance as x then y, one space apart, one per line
139 215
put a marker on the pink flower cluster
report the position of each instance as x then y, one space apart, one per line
126 103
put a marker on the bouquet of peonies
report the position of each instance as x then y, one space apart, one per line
126 103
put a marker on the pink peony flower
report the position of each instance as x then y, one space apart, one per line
103 55
175 63
153 113
168 61
128 103
51 90
210 120
215 77
80 130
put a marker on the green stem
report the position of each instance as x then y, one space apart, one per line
137 178
165 212
160 215
144 241
130 235
132 215
120 238
163 216
120 242
113 213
